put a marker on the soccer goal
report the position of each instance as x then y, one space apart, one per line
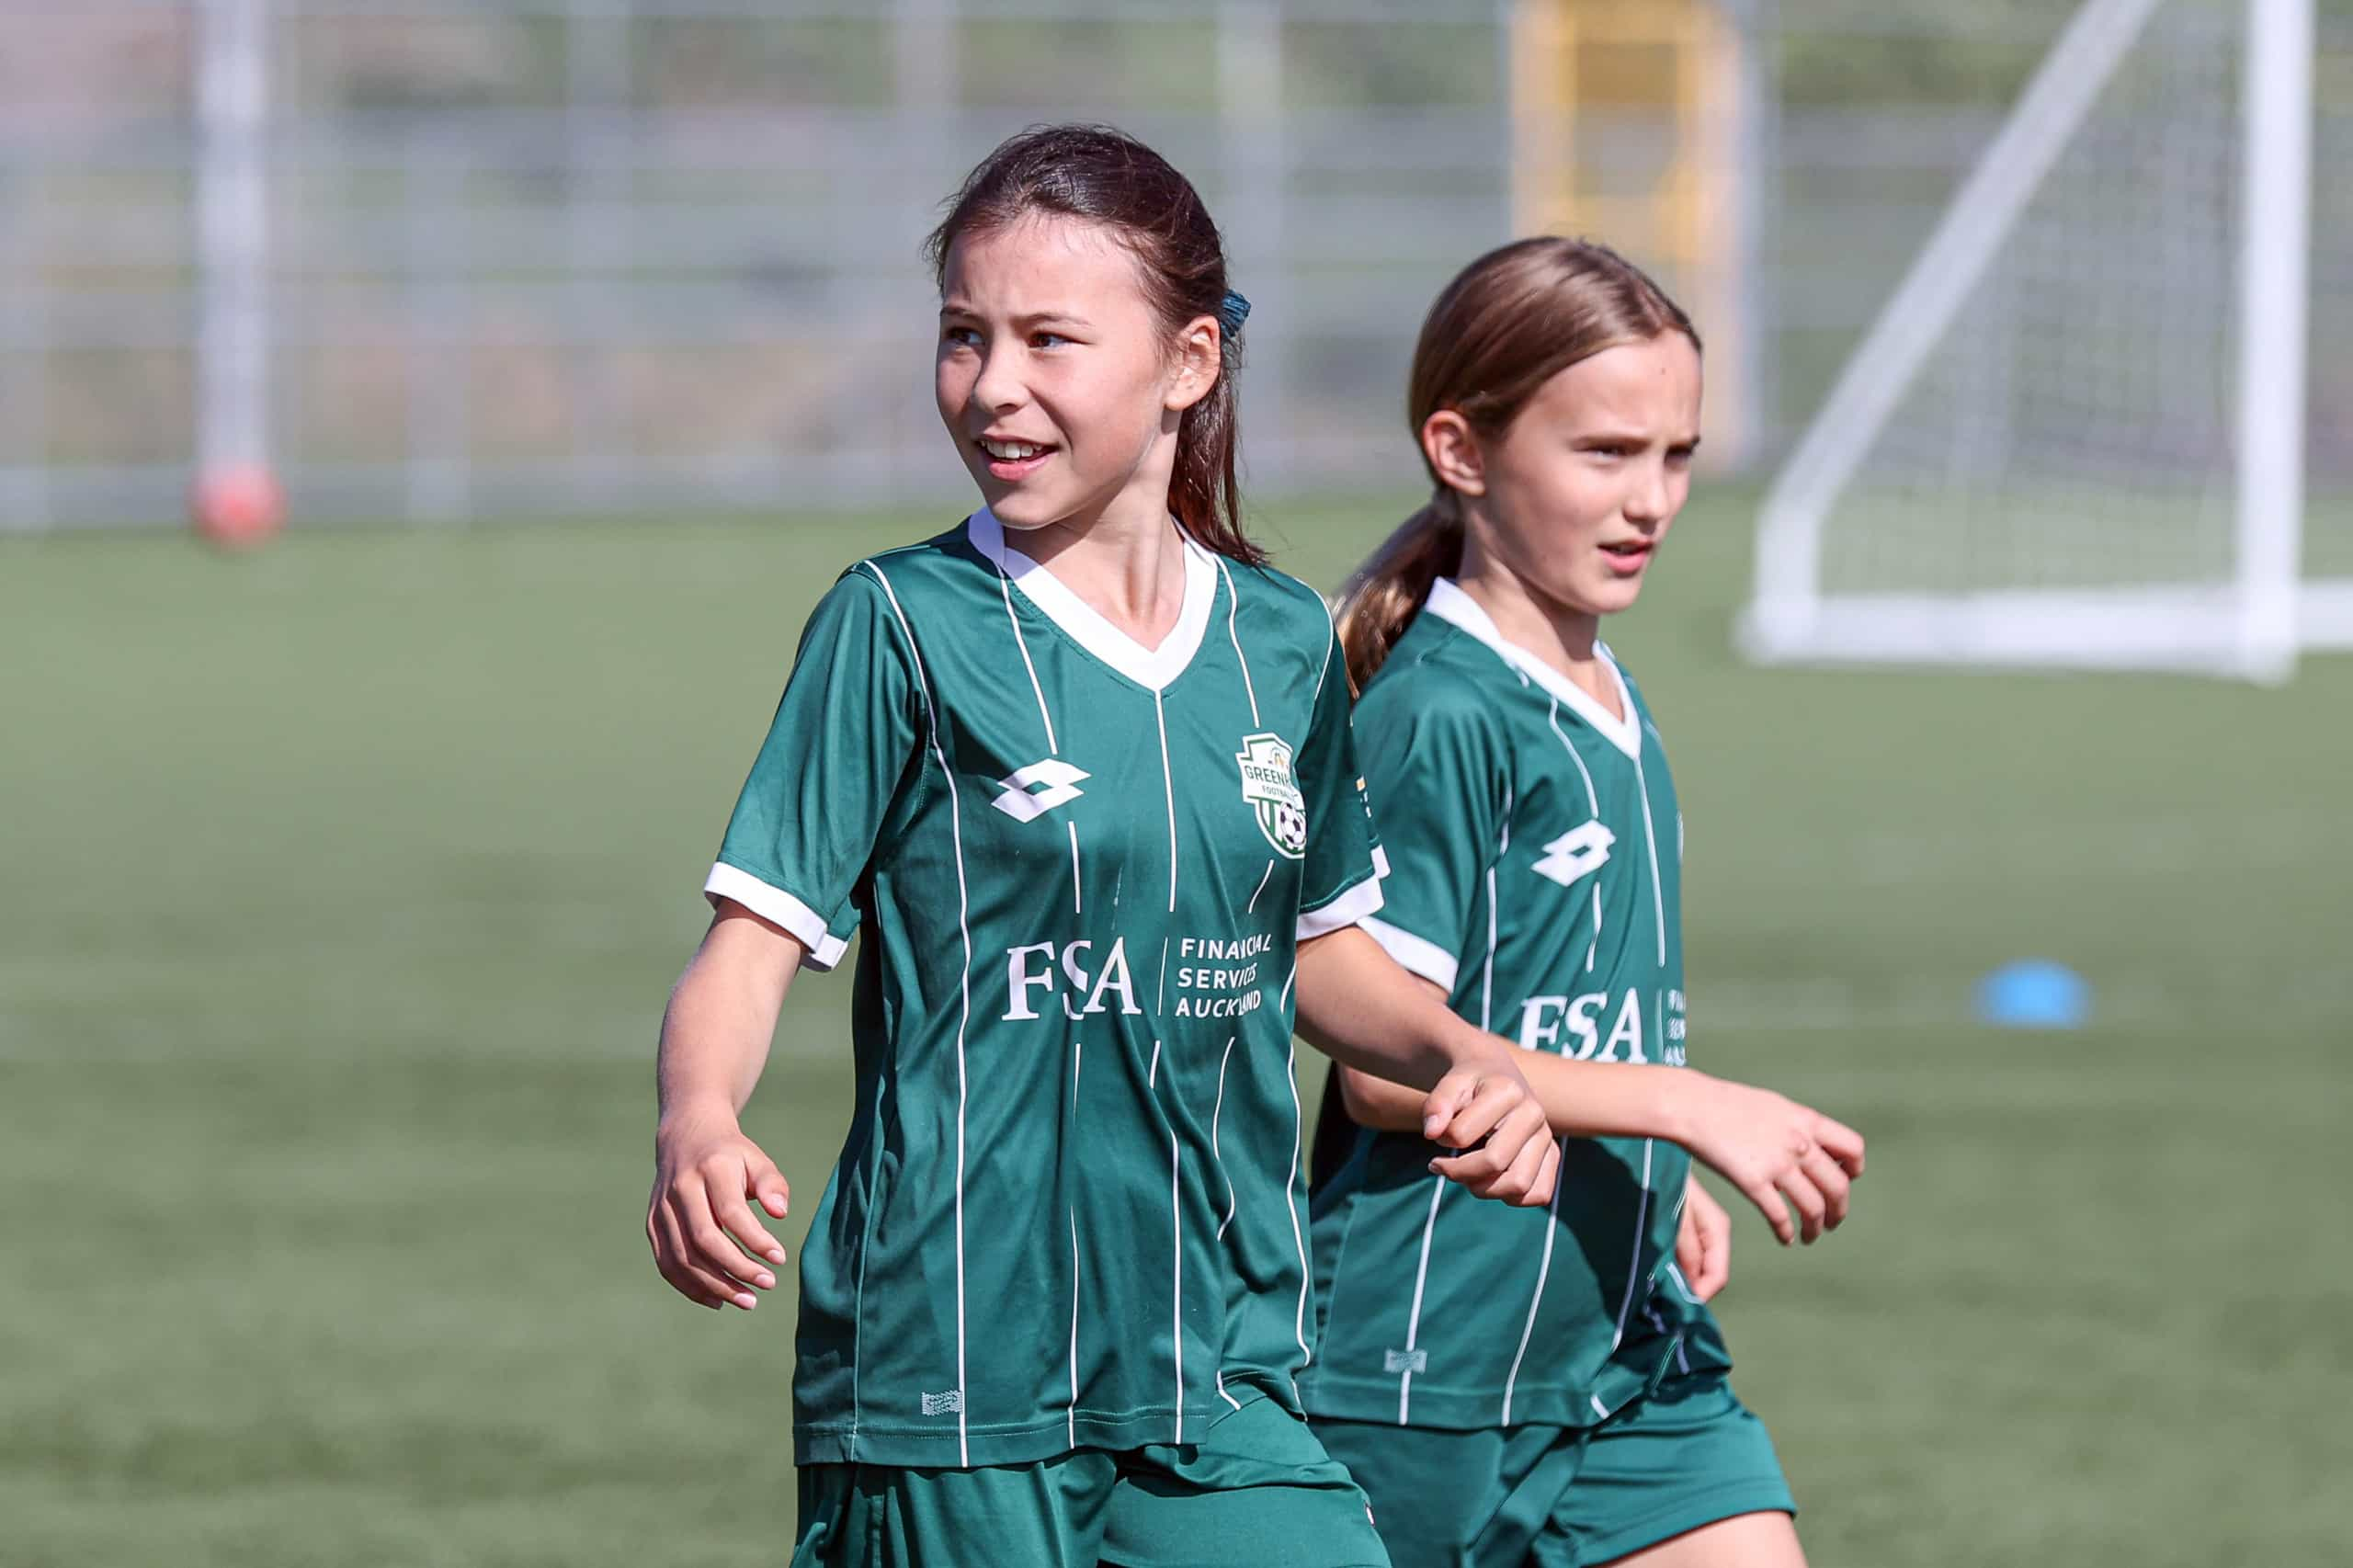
2075 435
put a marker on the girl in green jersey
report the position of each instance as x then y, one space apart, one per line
1545 1387
1080 770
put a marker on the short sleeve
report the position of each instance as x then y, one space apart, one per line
1340 877
806 825
1435 764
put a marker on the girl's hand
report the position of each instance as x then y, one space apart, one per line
706 1241
1703 1243
1359 1008
1487 1111
1773 1149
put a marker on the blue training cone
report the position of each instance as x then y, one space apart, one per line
2034 993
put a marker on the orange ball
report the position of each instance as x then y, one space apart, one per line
239 507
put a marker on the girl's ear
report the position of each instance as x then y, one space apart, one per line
1196 368
1452 449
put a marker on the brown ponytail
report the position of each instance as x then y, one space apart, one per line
1509 322
1381 596
1108 177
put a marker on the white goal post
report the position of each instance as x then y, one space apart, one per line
2075 435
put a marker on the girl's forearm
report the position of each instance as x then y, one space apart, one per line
1363 1011
1581 1099
721 1016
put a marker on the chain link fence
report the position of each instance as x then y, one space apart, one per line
661 256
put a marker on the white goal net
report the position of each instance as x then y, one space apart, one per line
2080 433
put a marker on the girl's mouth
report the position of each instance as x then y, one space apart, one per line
1629 556
1010 461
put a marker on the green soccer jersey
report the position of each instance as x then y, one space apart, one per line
1069 1211
1534 853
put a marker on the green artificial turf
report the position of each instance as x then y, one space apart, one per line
344 883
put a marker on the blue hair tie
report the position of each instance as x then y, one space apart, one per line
1232 312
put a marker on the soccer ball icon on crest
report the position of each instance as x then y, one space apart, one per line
1287 829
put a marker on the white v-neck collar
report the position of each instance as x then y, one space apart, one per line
1151 668
1449 603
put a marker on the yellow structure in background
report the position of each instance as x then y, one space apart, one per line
1627 120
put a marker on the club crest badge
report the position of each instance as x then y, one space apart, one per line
1267 785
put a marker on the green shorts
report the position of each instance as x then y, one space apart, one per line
1565 1496
1259 1488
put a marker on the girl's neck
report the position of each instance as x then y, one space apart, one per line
1124 560
1562 637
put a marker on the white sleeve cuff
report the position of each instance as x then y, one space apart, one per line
807 928
1414 954
1381 862
1348 909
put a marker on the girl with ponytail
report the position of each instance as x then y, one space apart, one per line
1079 769
1517 1387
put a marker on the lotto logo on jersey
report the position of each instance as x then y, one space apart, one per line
1024 801
1576 853
1267 785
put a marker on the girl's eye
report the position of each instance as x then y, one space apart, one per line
1047 340
963 337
